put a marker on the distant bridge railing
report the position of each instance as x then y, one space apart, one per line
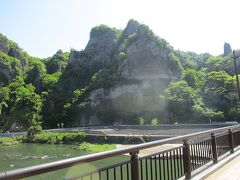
162 129
192 151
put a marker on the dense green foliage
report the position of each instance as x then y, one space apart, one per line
202 95
9 141
12 68
25 83
96 147
50 80
57 138
11 62
20 105
45 138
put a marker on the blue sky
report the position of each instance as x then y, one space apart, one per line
41 27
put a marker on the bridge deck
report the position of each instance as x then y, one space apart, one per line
230 171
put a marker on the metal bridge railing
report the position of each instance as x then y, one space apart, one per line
192 152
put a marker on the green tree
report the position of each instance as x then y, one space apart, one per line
36 74
216 90
217 93
22 105
50 80
181 97
191 77
186 105
215 63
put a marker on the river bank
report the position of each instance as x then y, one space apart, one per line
78 140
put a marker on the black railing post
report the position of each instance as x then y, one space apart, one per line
214 148
186 160
236 72
134 165
230 141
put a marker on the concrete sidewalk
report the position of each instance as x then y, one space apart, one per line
231 171
152 150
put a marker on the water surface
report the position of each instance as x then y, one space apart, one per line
23 155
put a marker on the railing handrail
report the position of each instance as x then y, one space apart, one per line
47 167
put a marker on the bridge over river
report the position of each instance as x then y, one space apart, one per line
192 156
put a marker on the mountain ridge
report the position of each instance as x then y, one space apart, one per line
120 77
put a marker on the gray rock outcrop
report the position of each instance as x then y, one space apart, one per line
227 49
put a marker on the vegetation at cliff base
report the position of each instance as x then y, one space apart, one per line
46 138
96 147
57 138
9 141
76 139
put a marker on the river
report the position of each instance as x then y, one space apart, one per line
23 155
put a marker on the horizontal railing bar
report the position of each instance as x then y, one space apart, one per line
222 134
160 152
236 129
43 168
200 140
99 170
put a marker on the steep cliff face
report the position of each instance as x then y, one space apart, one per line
102 41
96 56
145 54
227 49
99 48
122 104
4 47
139 63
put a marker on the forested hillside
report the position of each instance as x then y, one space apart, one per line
128 76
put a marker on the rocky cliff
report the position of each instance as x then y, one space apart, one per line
119 78
139 66
145 54
227 49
